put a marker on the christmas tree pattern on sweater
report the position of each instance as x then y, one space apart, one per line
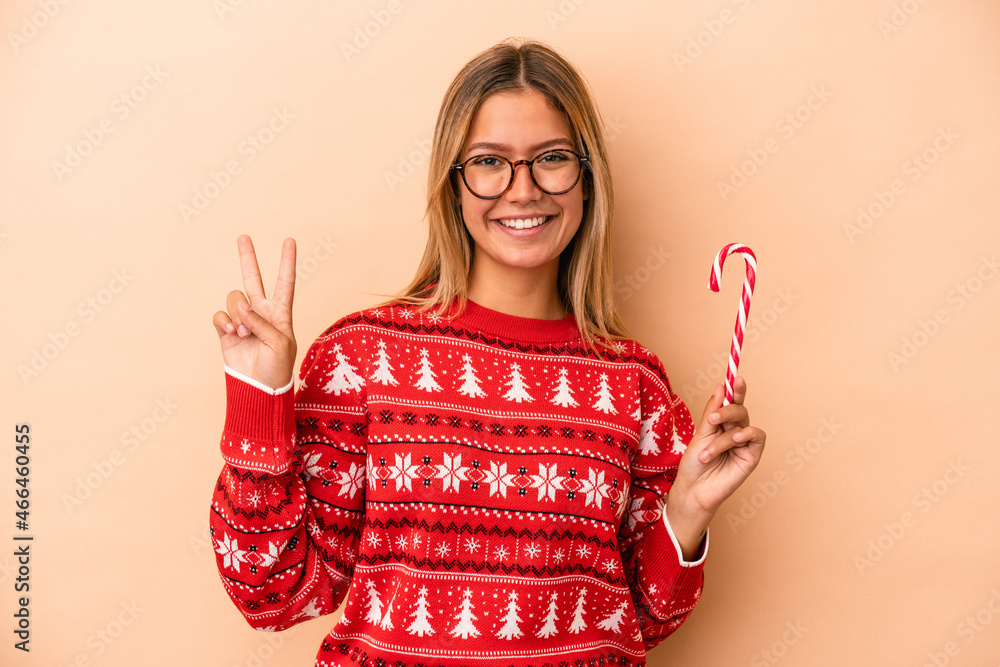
483 495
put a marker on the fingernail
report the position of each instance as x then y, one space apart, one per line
244 331
229 327
703 457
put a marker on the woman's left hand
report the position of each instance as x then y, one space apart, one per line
723 451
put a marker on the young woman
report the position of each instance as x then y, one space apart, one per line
485 466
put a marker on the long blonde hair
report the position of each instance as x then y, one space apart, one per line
585 275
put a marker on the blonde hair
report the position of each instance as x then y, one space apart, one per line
585 276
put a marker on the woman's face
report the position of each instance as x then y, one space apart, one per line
520 125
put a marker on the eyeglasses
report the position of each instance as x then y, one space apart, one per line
491 176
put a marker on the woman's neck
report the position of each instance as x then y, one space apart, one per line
524 292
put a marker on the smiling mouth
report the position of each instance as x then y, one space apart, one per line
525 223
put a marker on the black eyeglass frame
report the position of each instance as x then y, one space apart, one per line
584 160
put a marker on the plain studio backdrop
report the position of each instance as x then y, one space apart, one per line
853 145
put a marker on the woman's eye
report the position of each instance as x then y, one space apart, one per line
552 157
486 161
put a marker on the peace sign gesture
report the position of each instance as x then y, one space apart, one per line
256 334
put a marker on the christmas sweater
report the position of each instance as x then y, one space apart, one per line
482 489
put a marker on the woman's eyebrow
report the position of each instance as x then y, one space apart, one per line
490 146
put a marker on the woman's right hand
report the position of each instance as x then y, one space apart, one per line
256 334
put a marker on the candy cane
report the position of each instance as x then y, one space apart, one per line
741 320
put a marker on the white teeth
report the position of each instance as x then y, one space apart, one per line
523 223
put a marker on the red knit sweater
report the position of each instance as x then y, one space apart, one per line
489 490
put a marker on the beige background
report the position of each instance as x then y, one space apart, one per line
868 534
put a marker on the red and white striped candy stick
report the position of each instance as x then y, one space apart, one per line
741 320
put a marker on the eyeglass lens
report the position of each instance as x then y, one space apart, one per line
554 172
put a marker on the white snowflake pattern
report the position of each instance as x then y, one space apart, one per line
245 445
547 482
403 472
595 488
405 313
315 530
377 314
610 565
415 540
471 545
254 498
583 550
401 542
374 540
452 471
559 555
443 550
311 466
230 551
635 513
499 479
532 550
351 480
501 554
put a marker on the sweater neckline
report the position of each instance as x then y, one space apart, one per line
515 327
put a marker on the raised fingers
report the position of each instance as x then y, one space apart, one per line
248 265
284 287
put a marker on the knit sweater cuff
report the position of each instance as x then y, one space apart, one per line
259 432
699 558
668 565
